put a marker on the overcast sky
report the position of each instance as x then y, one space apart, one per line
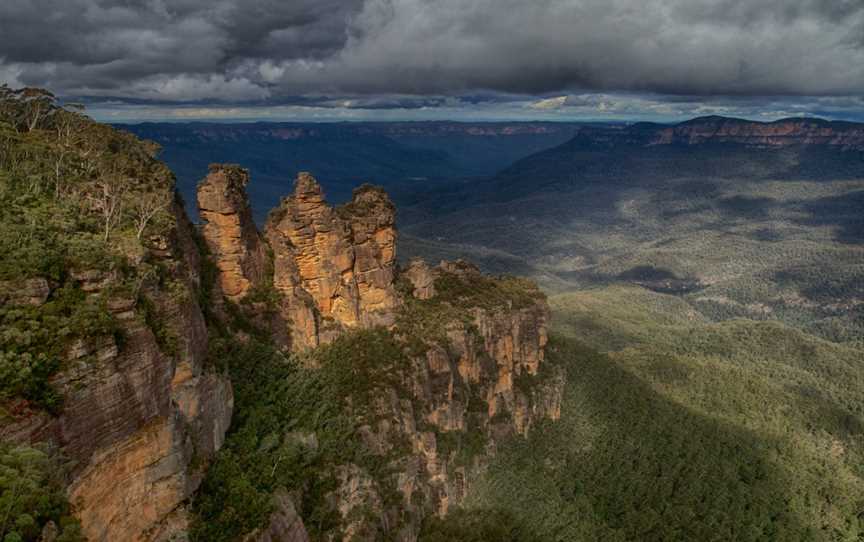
471 59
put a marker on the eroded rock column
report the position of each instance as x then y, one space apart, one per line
230 231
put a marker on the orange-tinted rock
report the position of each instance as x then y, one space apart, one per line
371 218
300 319
230 231
134 416
342 258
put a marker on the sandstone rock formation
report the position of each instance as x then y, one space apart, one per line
137 418
422 279
345 257
333 268
476 366
229 230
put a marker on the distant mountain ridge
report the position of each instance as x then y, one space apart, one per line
780 133
297 130
344 154
804 148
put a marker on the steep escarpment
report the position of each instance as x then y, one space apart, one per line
361 398
141 421
781 133
235 244
717 130
332 268
424 370
104 359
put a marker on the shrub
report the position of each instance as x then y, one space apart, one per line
32 494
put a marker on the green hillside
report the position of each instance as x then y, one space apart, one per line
676 428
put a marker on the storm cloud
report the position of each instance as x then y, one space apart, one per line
368 51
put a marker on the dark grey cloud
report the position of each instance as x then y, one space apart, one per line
364 52
164 49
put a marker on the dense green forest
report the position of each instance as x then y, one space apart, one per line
296 420
677 428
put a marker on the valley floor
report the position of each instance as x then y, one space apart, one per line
677 428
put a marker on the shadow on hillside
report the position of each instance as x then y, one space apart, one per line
651 469
845 212
746 207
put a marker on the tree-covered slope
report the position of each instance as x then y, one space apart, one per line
684 429
105 397
768 229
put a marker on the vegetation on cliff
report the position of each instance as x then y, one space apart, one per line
32 499
687 430
302 418
296 420
90 265
78 197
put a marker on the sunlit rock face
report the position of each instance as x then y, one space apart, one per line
332 266
343 257
138 423
230 231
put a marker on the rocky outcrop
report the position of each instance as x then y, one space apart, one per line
422 279
230 231
371 218
285 524
33 291
485 377
343 258
332 268
139 419
477 376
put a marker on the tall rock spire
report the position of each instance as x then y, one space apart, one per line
333 267
344 257
230 231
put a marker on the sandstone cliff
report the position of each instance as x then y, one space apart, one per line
344 257
333 268
229 230
140 417
475 344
